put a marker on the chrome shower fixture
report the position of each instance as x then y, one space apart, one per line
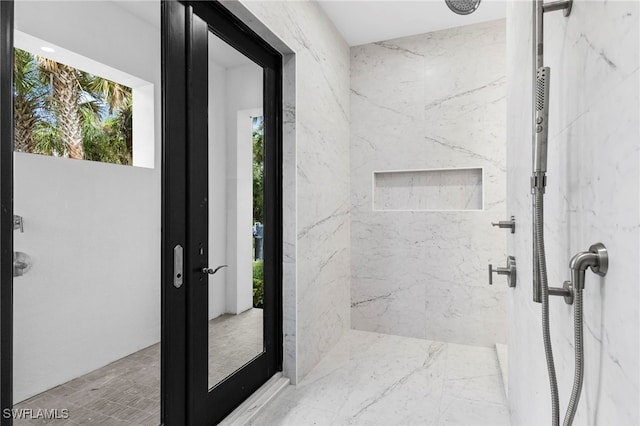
18 223
542 117
463 7
541 289
541 86
597 259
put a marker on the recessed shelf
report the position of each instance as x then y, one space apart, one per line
428 190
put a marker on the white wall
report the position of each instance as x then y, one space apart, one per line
316 164
592 195
316 175
429 101
244 86
218 213
233 92
92 229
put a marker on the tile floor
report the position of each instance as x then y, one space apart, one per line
377 379
127 391
234 340
367 379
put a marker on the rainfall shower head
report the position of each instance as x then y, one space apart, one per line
463 7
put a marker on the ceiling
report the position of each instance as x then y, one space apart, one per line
224 55
368 21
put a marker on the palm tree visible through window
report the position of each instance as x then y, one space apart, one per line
66 112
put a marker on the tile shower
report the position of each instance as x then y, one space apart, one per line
398 156
427 176
439 101
429 111
592 195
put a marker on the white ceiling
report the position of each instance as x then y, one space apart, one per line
224 55
368 21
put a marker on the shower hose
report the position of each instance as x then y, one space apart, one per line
579 373
544 285
546 335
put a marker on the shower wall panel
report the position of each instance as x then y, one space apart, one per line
431 101
316 268
592 195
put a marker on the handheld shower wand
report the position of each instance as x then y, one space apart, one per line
541 127
540 131
538 184
596 258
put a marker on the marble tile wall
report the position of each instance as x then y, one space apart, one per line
592 195
316 175
447 189
428 102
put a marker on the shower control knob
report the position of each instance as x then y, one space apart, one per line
18 223
510 224
499 270
509 271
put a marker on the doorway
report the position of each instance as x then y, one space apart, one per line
234 233
146 326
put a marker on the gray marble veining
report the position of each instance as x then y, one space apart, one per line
376 379
592 195
316 176
432 101
432 190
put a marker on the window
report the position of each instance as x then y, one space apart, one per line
67 105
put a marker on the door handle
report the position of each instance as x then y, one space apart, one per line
210 271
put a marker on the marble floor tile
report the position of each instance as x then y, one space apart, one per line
377 379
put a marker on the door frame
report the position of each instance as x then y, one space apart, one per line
175 367
173 356
6 209
212 405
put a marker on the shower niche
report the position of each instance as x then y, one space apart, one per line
428 190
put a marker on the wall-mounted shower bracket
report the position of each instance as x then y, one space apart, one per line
538 181
596 258
566 291
565 6
509 224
